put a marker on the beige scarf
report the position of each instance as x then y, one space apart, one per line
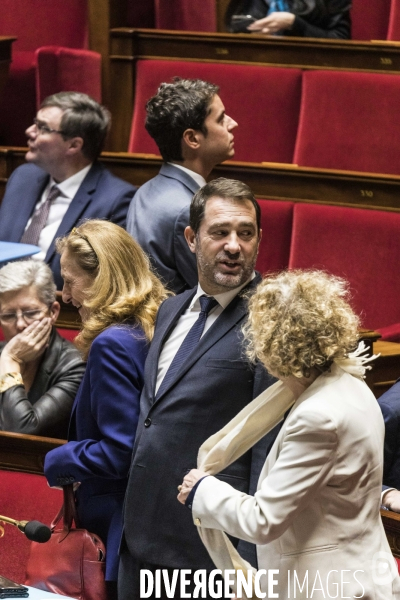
239 435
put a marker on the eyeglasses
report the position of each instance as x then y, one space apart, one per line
29 316
42 128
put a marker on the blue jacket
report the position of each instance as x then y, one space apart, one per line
390 407
102 432
100 196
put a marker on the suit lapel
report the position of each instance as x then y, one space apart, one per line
233 313
173 172
180 304
77 207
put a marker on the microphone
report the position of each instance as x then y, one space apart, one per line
34 530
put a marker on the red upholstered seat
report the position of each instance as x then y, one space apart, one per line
62 69
349 121
186 15
68 334
36 24
394 21
369 19
361 245
23 497
264 100
276 223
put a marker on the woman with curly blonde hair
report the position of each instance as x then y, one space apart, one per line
315 516
108 278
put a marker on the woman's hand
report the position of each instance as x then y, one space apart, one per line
188 482
26 346
275 22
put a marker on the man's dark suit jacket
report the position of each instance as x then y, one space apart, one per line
100 196
390 407
212 387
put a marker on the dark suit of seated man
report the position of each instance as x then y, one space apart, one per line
389 403
194 385
187 120
64 142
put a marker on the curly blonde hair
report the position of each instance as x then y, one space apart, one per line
124 287
299 320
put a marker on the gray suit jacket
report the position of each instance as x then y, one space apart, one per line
157 218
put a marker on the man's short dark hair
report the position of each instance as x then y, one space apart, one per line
221 188
82 117
177 106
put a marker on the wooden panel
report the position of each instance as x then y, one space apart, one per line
385 369
391 523
19 452
267 180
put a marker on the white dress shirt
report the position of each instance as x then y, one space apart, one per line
68 188
185 323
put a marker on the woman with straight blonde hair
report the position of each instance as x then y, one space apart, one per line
108 278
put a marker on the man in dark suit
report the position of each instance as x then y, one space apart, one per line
187 120
63 183
196 380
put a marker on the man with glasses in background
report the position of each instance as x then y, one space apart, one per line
64 183
40 372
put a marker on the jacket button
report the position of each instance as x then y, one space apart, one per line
147 422
197 522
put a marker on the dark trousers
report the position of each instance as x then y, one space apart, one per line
129 579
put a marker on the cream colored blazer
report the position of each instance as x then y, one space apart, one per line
315 517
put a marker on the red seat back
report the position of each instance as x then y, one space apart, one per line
263 100
394 22
276 223
67 69
349 121
370 19
44 23
23 497
362 246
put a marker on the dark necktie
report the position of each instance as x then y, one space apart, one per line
189 343
31 235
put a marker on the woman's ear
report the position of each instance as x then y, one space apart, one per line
54 312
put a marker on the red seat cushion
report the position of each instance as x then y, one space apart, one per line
23 497
369 20
349 121
263 100
361 245
276 223
68 334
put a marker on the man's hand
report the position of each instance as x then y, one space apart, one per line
275 22
392 500
188 482
26 346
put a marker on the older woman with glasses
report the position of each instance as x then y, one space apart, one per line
40 372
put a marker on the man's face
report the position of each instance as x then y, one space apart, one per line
217 144
226 244
47 149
